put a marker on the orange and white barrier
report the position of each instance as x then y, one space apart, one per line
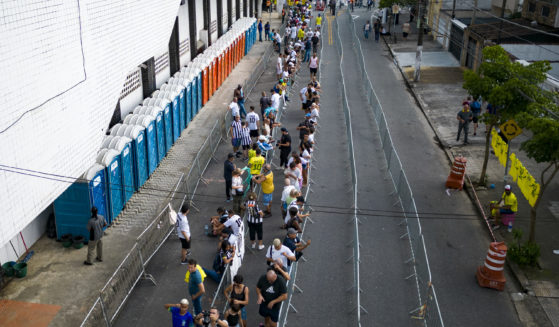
491 274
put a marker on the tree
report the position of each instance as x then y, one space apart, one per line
543 146
401 3
511 87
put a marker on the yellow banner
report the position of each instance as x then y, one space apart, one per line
525 181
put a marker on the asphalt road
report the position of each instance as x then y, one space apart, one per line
455 246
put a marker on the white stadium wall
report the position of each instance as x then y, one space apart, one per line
63 67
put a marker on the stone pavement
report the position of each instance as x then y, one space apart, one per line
439 94
57 276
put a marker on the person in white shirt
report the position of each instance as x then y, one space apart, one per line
275 100
285 194
278 252
253 121
234 222
314 113
234 107
279 65
293 33
183 231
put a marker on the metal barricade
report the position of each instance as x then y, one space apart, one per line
428 310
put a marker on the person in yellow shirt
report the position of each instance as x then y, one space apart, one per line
252 151
507 205
319 20
300 34
266 181
255 164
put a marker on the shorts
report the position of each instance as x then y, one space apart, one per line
314 70
246 147
506 211
236 142
267 198
243 313
475 119
254 133
185 244
265 312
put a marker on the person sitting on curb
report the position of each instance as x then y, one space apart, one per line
506 205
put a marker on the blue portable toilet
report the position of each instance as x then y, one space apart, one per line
139 151
123 145
177 91
151 138
180 80
175 114
165 106
157 114
110 159
72 209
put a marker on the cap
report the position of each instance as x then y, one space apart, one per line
262 138
230 155
507 187
283 129
184 301
301 199
307 115
291 230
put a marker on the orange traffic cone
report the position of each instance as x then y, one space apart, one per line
491 274
455 179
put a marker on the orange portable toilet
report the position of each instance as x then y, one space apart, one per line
204 85
222 68
218 69
215 69
243 44
228 61
210 78
491 274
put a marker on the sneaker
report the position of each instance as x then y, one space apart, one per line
261 247
253 245
474 134
229 200
184 262
100 260
87 263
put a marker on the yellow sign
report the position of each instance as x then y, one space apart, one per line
510 129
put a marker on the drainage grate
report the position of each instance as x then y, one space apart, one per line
545 289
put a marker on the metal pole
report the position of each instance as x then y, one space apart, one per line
501 23
454 9
419 50
474 14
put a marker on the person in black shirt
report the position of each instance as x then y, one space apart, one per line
304 127
271 290
228 167
284 147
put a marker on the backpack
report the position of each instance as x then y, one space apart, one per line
218 263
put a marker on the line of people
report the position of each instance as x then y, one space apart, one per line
251 141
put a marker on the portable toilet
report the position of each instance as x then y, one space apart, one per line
177 90
157 114
110 159
180 81
122 144
72 209
139 150
175 115
164 105
151 138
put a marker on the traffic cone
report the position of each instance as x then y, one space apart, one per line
491 274
455 179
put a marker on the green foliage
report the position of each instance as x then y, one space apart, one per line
508 85
402 3
526 254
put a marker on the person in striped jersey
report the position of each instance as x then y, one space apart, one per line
235 131
254 220
246 141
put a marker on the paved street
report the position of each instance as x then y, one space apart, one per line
455 245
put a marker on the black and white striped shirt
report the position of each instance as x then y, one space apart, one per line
237 129
245 136
253 212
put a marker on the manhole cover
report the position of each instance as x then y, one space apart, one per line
545 289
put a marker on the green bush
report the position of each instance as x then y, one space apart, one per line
526 254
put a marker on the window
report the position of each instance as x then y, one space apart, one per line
531 7
545 11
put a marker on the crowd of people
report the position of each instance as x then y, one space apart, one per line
252 147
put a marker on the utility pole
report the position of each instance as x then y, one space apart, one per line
453 9
474 14
501 24
419 51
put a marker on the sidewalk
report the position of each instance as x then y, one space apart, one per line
440 94
57 282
